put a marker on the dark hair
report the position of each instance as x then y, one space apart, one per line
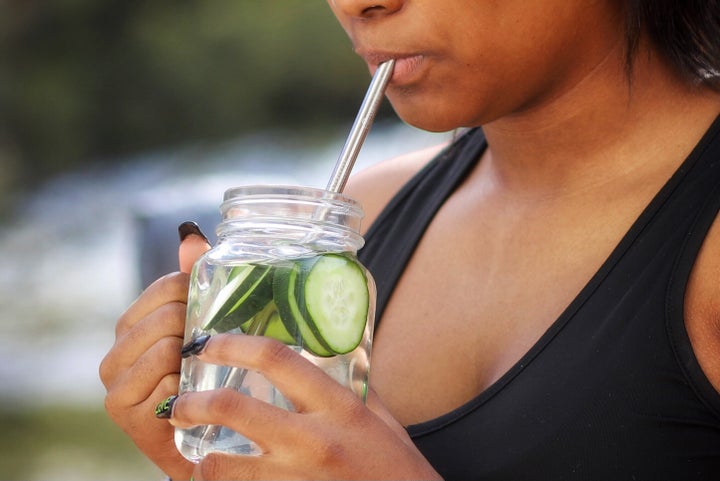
685 32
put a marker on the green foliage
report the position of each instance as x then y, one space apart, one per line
82 80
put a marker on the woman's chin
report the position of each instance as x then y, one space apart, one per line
425 120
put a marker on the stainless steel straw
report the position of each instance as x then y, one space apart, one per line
361 127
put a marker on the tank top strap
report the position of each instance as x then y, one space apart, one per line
402 223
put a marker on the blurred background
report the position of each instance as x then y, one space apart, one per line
118 120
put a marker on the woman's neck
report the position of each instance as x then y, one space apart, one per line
601 128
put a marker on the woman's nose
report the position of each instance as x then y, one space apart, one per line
366 8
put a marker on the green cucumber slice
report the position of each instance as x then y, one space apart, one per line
247 291
335 293
292 313
277 330
320 302
267 322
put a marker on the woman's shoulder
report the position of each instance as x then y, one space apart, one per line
376 185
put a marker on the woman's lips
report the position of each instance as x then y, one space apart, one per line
406 68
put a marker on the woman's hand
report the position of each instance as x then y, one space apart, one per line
143 366
333 435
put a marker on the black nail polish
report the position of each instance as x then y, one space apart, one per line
187 228
164 409
195 346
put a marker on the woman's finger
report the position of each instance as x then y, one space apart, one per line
259 421
132 386
165 290
155 437
305 385
193 244
168 321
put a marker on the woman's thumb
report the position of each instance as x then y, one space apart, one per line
193 244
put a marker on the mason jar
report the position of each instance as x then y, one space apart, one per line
284 266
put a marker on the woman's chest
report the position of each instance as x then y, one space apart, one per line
471 302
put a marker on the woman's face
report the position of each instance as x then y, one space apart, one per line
469 62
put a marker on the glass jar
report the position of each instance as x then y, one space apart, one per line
284 266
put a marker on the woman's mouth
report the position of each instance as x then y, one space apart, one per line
406 69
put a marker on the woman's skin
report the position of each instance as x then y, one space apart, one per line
576 151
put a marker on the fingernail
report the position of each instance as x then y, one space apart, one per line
195 346
188 228
164 409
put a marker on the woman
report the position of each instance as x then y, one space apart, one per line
548 296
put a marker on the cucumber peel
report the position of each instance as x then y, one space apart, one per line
291 311
247 291
326 298
335 293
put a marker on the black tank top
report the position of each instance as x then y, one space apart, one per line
612 390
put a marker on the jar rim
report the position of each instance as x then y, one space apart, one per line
286 190
283 191
250 206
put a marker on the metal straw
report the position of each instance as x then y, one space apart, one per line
361 127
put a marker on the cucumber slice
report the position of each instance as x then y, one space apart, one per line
292 312
268 323
335 294
277 330
247 292
320 302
